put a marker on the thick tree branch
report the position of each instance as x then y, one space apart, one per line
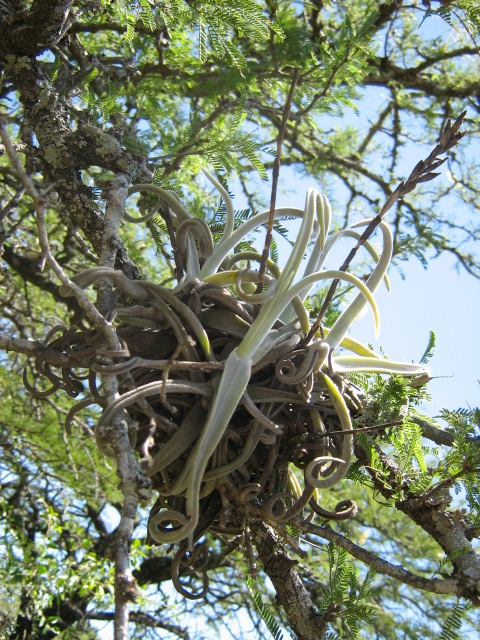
65 152
302 616
20 30
433 433
389 73
448 528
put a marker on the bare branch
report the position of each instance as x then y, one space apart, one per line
422 172
275 175
115 436
144 619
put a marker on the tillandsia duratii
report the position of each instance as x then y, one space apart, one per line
227 398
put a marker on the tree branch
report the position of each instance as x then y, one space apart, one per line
64 152
144 619
19 29
134 485
378 564
34 348
433 433
447 528
388 73
88 307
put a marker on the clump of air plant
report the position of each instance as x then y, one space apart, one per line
230 403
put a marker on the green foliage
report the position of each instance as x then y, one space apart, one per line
214 23
392 399
159 232
343 597
462 12
452 625
129 12
240 216
263 609
37 429
340 62
448 559
461 463
222 146
356 472
105 105
222 149
428 353
39 527
408 447
170 183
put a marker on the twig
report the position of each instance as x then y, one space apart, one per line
377 563
275 175
142 618
377 427
422 172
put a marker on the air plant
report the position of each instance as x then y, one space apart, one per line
226 395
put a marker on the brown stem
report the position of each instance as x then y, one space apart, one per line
275 175
422 172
